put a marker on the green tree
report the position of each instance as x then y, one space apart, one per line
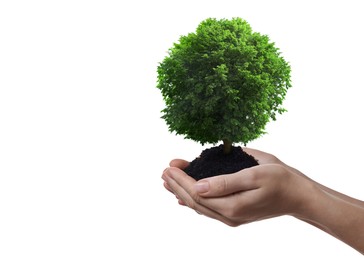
223 82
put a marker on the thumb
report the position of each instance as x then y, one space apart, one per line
226 184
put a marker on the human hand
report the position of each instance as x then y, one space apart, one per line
268 190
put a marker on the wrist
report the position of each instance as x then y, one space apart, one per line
309 202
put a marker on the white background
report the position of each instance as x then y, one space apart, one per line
82 145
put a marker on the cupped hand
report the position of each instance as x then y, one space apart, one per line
268 190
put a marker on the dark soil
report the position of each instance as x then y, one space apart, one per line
213 162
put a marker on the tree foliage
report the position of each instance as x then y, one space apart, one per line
222 82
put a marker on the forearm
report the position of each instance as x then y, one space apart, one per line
336 216
328 190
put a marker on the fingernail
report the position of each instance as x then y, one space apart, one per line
202 186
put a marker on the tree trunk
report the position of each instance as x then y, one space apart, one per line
227 146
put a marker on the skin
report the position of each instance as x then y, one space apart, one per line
269 190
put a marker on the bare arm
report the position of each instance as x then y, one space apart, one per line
269 190
269 158
342 196
334 213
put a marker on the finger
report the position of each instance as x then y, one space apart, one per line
262 157
223 185
179 163
236 194
253 152
165 184
182 186
181 202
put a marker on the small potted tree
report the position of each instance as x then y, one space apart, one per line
222 83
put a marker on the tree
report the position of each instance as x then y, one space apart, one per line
223 82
